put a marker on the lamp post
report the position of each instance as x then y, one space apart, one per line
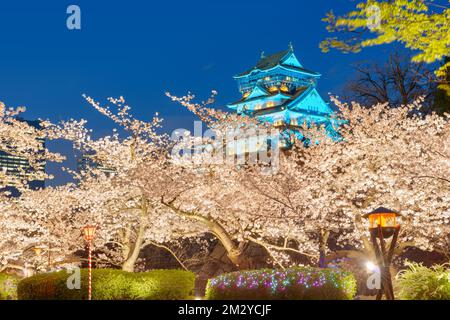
383 225
89 233
39 250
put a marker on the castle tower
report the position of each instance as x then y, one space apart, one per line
281 91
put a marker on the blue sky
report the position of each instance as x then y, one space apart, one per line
140 49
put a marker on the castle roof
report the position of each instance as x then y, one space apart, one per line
255 97
296 97
278 59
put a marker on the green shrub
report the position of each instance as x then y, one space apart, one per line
301 283
109 284
422 283
8 286
162 285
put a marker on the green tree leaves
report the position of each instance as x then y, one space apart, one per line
423 27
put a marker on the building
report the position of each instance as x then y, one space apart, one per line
19 167
85 163
279 90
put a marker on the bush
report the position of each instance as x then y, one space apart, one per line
422 283
301 283
108 284
8 286
162 285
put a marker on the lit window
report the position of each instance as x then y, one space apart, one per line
278 123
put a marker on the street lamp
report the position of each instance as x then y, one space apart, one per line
89 233
39 250
371 267
383 225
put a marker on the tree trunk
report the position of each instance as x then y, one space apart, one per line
235 252
130 262
323 244
239 259
125 239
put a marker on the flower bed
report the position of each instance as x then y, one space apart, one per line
301 283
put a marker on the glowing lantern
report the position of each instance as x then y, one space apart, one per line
384 220
382 225
278 123
38 250
89 233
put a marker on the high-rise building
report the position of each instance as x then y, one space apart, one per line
85 162
19 167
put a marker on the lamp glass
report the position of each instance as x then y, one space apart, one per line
385 220
89 232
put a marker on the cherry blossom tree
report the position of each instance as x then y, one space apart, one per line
386 156
43 228
131 218
309 203
20 139
393 157
216 194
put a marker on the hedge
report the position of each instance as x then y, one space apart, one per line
300 283
422 283
8 286
109 284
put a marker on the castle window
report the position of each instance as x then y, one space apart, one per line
278 123
284 88
313 108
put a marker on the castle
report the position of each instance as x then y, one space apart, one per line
279 90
